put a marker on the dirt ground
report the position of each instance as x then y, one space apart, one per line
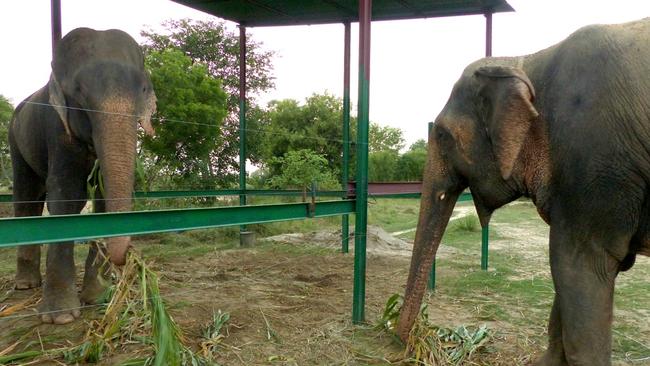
290 301
305 299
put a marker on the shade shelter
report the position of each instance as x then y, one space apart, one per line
258 13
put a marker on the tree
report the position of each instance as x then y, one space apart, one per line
382 166
183 152
213 45
410 165
299 168
419 144
381 138
316 126
6 111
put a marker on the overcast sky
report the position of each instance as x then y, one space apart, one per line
414 63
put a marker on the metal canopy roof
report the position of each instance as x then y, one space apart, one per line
255 13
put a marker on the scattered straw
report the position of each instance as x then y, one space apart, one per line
30 301
134 314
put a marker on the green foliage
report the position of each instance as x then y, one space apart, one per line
469 223
411 164
382 166
420 144
212 333
302 167
316 126
6 111
211 44
181 153
385 138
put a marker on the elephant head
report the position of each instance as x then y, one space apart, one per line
483 139
101 91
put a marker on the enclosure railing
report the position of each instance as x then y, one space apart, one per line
62 228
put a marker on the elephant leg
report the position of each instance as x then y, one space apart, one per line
554 355
60 303
96 274
96 270
584 274
29 194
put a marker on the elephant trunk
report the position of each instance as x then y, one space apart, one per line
115 137
436 207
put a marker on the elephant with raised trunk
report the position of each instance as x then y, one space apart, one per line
568 127
97 94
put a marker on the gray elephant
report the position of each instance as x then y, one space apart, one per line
568 127
97 93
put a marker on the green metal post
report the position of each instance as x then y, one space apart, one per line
242 118
361 215
345 219
488 53
432 274
55 12
485 233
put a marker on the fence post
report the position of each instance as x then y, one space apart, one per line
432 274
361 214
345 219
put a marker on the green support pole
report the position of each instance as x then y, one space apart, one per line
361 215
485 233
345 219
488 53
432 274
242 118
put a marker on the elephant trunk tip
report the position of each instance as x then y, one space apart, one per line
117 250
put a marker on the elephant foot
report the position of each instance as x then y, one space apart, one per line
60 306
551 359
92 291
60 318
28 279
96 276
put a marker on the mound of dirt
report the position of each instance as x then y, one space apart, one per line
379 242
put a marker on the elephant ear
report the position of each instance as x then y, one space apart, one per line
58 102
149 110
510 111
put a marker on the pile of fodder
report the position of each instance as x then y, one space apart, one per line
134 319
429 344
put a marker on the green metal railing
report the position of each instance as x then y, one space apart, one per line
38 229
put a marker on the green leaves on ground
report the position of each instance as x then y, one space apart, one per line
430 344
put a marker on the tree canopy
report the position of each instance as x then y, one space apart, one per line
410 165
6 112
191 108
211 44
382 138
315 125
300 168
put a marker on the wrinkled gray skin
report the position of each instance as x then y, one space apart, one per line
568 127
55 136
